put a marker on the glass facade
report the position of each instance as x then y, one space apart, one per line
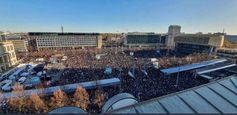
192 48
143 39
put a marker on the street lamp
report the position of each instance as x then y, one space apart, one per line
136 79
120 86
177 78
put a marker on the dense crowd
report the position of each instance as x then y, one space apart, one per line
83 65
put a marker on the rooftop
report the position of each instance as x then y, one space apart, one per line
218 97
192 66
60 33
69 109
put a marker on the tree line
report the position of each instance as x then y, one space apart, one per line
43 104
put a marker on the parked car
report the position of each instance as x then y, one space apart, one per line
22 80
7 87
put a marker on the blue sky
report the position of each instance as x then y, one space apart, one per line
118 15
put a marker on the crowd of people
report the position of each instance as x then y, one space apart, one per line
84 65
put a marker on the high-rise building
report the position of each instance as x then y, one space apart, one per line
174 30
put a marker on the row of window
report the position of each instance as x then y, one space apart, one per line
143 39
8 48
66 38
12 55
67 44
5 59
67 41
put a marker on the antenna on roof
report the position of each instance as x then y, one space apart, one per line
62 29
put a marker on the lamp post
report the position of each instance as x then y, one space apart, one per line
133 71
136 79
177 78
120 86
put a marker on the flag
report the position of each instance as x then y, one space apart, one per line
130 74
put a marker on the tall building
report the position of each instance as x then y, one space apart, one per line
53 40
7 55
144 39
174 30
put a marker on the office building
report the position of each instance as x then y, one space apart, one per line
7 55
231 38
144 40
19 40
174 30
19 45
12 36
230 53
53 40
198 43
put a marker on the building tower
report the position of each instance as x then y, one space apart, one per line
174 30
62 29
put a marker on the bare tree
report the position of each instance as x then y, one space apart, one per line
18 102
59 99
40 86
81 98
37 104
18 89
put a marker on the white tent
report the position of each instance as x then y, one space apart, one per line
153 59
108 70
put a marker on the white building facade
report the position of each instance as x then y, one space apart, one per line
66 40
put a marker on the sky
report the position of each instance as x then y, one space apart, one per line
118 15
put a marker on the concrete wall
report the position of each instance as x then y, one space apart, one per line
216 41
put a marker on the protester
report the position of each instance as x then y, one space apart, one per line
82 65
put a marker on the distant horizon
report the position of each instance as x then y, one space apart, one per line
117 32
113 16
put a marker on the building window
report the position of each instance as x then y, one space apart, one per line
11 47
8 48
13 55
